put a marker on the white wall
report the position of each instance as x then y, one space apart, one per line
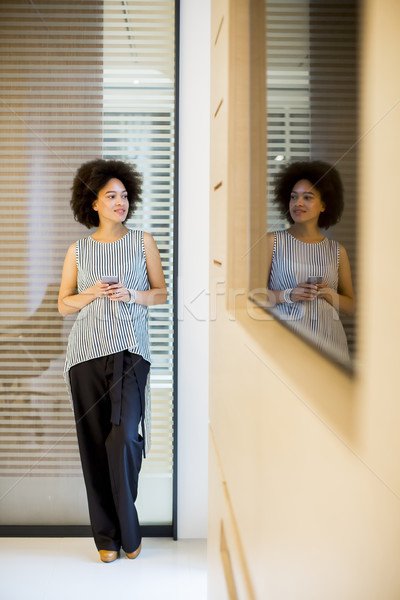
193 267
310 502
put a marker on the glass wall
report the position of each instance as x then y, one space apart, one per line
78 80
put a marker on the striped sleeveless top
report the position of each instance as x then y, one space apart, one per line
104 326
293 262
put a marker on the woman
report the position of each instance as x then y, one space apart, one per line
110 278
309 277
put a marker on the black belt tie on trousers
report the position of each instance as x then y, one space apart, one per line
116 389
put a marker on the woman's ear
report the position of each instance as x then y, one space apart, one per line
94 205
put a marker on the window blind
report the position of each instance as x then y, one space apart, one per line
79 80
288 92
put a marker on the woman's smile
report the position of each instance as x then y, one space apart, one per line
112 201
305 202
120 211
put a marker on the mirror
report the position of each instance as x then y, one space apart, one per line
304 89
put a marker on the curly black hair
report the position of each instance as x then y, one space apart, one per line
91 177
323 176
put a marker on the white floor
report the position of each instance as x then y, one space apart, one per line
69 568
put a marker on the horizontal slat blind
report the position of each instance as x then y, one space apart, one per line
78 80
288 92
51 121
138 123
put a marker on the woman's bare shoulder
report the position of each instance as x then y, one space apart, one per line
270 239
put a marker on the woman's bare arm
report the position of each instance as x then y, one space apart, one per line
343 299
157 294
69 301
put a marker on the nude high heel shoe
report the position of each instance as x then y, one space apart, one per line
108 556
135 553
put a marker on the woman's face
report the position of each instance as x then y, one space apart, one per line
305 203
112 202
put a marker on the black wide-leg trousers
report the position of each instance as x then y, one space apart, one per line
111 453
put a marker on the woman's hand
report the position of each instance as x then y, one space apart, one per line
304 292
325 292
117 292
340 302
69 301
98 290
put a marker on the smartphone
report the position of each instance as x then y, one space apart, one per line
110 279
315 279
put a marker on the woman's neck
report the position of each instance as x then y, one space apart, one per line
110 232
306 233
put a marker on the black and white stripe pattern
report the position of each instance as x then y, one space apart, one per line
105 327
293 262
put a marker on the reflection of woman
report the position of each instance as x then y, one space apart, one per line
310 197
108 357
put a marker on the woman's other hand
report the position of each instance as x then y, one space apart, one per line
117 292
325 292
304 292
98 290
69 301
